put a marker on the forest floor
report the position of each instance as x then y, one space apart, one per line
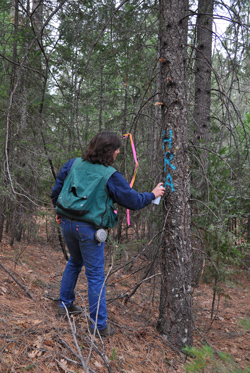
34 339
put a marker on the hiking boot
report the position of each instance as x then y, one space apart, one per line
106 332
73 310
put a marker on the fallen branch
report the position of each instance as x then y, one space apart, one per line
73 331
18 283
64 367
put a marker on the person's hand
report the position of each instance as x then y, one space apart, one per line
159 190
58 219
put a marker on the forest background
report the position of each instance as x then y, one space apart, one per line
72 68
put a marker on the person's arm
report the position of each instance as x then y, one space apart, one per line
121 193
60 180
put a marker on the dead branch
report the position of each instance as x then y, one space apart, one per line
128 296
137 255
18 283
95 322
73 331
64 367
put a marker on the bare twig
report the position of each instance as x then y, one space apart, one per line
18 283
136 256
73 331
64 367
96 330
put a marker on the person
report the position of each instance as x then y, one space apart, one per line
93 178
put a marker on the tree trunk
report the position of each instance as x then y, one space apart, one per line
156 127
203 75
10 120
101 93
175 316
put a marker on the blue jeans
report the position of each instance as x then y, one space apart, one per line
84 250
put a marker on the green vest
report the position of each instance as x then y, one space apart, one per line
84 196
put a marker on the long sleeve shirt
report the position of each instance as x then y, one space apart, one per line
117 187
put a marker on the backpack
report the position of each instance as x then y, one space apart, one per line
84 196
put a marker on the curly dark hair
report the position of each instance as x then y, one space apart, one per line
102 147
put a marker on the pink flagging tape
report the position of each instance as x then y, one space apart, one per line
135 171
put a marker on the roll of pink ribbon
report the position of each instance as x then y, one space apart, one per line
136 167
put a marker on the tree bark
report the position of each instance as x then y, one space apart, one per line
101 93
8 151
175 312
203 60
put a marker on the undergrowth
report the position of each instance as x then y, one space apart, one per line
206 359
